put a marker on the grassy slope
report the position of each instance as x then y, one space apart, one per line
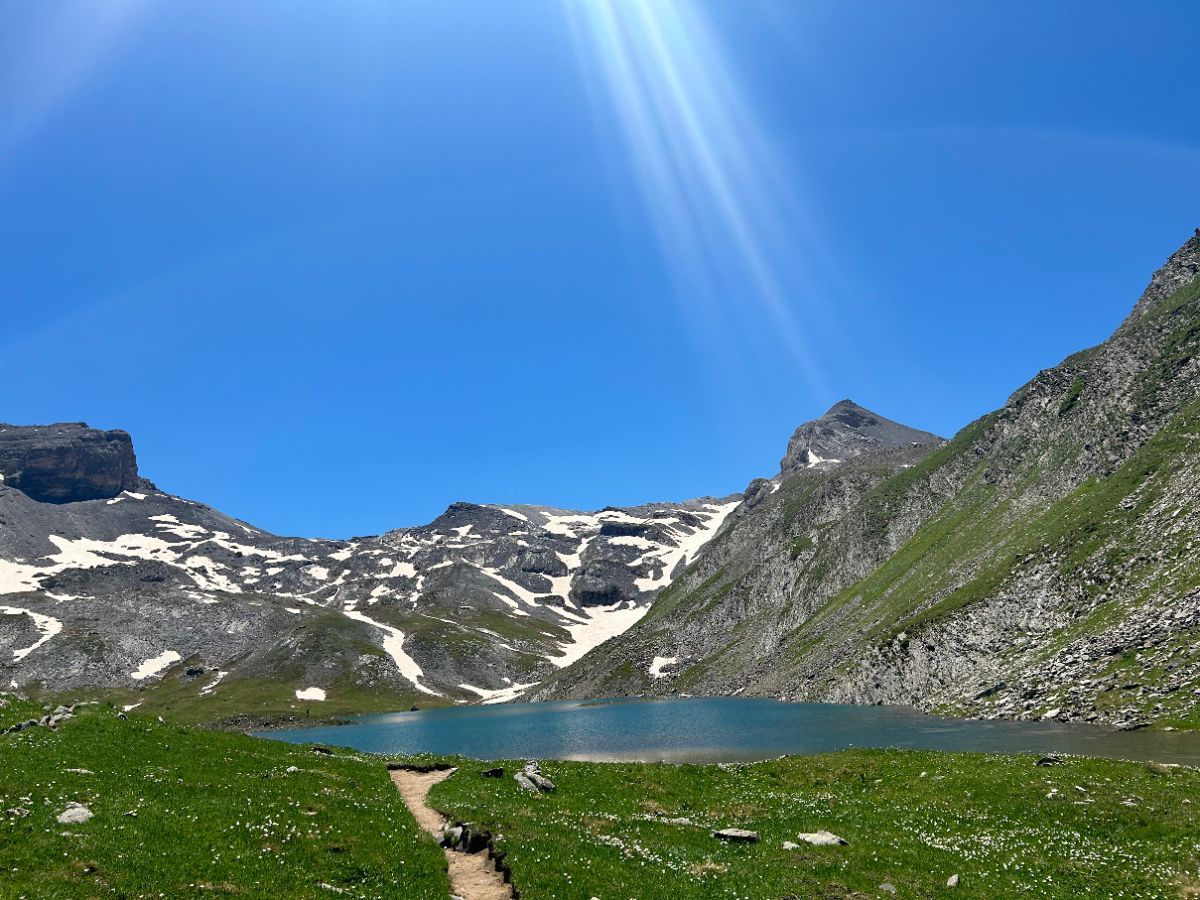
216 814
243 702
912 819
221 814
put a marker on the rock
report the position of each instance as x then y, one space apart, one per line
888 888
74 814
789 845
533 772
68 462
736 836
18 812
523 780
952 881
1046 761
324 751
822 839
497 772
80 771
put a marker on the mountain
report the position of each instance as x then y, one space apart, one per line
847 431
1042 564
107 583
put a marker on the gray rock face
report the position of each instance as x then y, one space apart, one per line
68 462
847 430
1042 564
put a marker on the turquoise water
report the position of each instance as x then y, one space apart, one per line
718 730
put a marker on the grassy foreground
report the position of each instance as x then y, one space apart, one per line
180 812
1008 828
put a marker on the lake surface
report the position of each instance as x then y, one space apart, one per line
718 730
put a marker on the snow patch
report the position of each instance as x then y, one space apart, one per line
208 688
688 545
393 645
602 623
503 695
47 627
659 663
154 665
312 693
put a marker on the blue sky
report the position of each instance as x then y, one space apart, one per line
338 265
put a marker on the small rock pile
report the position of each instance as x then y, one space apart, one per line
51 720
531 778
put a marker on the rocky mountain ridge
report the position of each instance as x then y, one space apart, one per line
1040 565
132 589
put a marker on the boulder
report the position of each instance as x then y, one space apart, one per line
736 836
74 814
822 839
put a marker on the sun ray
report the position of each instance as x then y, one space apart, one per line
718 200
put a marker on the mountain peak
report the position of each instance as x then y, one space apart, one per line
847 430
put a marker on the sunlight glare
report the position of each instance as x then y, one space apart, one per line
723 210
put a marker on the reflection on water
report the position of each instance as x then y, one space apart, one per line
719 730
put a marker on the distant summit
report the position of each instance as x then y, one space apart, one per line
847 430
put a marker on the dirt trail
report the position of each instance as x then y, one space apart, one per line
472 875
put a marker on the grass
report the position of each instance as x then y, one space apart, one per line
181 812
800 546
240 702
224 814
912 819
1072 398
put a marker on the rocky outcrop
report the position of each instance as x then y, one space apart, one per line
68 462
847 430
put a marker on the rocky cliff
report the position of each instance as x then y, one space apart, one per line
1042 564
68 462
